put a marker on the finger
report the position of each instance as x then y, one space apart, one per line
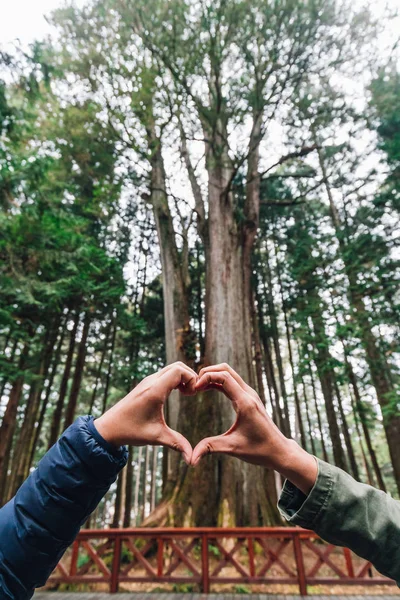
177 442
179 376
224 367
226 383
235 375
173 366
211 445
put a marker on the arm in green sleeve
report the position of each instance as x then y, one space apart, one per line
347 513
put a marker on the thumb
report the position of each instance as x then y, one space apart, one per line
177 441
210 445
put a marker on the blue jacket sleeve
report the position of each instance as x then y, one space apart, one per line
45 516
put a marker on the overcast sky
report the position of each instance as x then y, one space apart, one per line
24 19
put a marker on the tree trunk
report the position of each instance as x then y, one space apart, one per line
278 357
99 369
221 490
110 367
144 483
9 420
361 412
10 361
153 489
323 361
346 435
137 485
55 363
78 374
258 353
310 429
57 413
128 489
118 500
318 413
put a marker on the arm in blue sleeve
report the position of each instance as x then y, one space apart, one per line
44 517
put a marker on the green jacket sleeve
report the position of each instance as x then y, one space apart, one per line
347 513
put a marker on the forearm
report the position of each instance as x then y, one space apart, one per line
45 516
294 464
347 513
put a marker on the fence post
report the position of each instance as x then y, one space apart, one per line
74 558
349 562
300 564
115 565
205 584
160 556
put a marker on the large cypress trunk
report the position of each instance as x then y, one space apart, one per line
224 491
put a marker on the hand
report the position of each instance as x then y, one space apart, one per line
253 437
138 419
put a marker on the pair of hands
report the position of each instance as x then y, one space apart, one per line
138 419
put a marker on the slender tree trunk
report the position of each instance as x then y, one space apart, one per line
278 357
128 490
153 489
9 420
368 469
110 367
100 368
323 359
144 484
10 362
55 363
258 359
310 429
346 434
289 343
78 374
119 496
318 413
57 413
364 423
23 449
137 485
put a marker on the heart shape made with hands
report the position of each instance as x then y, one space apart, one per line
138 419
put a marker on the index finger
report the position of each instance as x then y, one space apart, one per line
228 368
179 376
226 383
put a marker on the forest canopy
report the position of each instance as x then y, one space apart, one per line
204 181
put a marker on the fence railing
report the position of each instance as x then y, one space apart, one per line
276 555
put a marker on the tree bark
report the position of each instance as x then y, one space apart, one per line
57 413
128 490
9 420
137 485
78 374
23 448
346 435
153 489
55 363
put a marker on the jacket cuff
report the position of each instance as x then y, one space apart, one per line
117 452
299 509
102 459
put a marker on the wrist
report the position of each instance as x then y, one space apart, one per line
108 428
297 465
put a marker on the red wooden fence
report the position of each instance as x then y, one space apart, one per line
207 556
